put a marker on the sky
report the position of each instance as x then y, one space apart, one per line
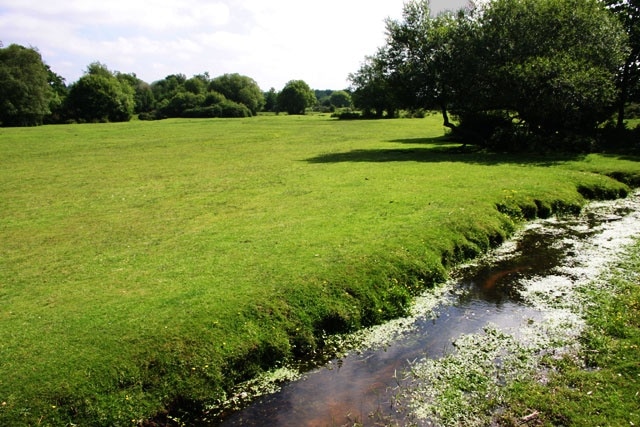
271 41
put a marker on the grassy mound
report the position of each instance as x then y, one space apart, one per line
149 265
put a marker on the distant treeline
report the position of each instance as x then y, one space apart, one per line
32 94
504 74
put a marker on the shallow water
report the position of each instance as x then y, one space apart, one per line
361 386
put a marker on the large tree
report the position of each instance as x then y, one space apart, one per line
241 89
271 100
553 62
371 87
549 65
25 93
628 12
431 62
296 97
100 96
143 94
340 99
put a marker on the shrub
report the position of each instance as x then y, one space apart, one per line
224 109
233 109
347 115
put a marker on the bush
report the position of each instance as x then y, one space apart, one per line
224 109
419 113
233 109
347 115
151 115
202 112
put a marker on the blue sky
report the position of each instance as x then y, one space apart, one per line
272 41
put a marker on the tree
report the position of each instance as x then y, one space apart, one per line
166 88
542 66
340 99
143 94
371 87
430 62
180 102
59 95
197 84
296 97
100 96
25 93
271 100
553 62
628 12
240 89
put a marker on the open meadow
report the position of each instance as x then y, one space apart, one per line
151 265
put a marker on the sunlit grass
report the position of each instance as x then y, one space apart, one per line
150 261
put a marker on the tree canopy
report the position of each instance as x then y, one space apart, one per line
241 89
25 91
296 97
536 66
628 12
99 96
340 99
502 67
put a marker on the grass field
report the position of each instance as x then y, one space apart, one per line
150 264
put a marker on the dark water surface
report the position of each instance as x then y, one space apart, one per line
359 388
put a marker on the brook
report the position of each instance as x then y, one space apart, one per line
502 289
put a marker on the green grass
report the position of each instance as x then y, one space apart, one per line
151 264
602 387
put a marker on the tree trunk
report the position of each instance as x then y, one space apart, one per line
624 84
445 117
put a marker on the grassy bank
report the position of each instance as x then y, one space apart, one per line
151 264
601 387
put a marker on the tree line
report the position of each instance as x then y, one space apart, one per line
509 71
503 73
32 94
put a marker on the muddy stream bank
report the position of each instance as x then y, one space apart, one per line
495 317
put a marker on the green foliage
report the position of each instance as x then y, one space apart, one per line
225 108
372 92
340 99
99 96
197 84
230 95
176 258
169 86
271 100
179 103
550 66
628 12
557 61
143 95
296 97
25 95
240 89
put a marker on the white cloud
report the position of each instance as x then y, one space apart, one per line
271 41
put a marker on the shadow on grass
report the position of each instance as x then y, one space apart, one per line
437 150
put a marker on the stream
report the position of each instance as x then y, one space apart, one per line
514 288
